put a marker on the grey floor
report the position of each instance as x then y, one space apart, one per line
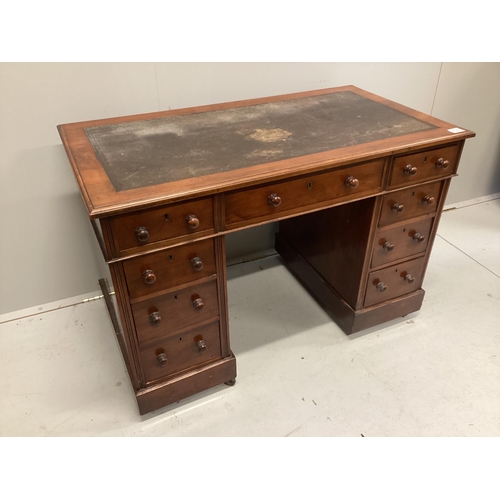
433 373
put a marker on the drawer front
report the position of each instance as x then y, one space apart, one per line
162 224
166 269
408 203
179 352
163 315
427 165
401 241
394 281
278 199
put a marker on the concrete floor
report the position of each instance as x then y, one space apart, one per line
433 373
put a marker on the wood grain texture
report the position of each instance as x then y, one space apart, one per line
412 200
403 241
167 224
176 311
394 279
181 352
425 164
186 384
334 242
172 267
302 194
101 198
357 181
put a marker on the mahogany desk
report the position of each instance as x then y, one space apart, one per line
357 182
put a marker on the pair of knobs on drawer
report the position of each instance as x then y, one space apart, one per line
149 276
275 200
400 208
441 163
419 238
142 233
382 287
155 317
162 357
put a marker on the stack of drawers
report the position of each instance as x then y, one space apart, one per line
173 283
171 263
407 223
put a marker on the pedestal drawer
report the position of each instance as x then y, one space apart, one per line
169 268
282 198
393 281
409 203
401 241
423 166
178 310
175 353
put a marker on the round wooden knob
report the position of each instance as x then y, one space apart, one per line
162 359
418 237
198 304
410 170
388 246
381 286
196 264
352 182
201 345
409 278
442 163
397 207
274 200
155 318
149 277
429 200
192 221
142 234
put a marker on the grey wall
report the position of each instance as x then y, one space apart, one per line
46 250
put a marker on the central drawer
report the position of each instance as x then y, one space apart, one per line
157 272
285 198
175 311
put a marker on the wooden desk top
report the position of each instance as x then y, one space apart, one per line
145 160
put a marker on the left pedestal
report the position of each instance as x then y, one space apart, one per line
171 322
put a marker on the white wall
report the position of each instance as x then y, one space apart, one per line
46 250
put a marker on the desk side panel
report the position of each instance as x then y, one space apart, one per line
334 242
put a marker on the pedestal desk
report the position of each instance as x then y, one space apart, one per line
356 182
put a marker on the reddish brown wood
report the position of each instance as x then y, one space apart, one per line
170 268
400 241
358 205
182 352
186 384
141 229
390 282
417 200
192 221
327 237
302 194
102 199
220 263
423 166
349 319
177 310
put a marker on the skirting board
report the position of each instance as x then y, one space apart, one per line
50 306
474 201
